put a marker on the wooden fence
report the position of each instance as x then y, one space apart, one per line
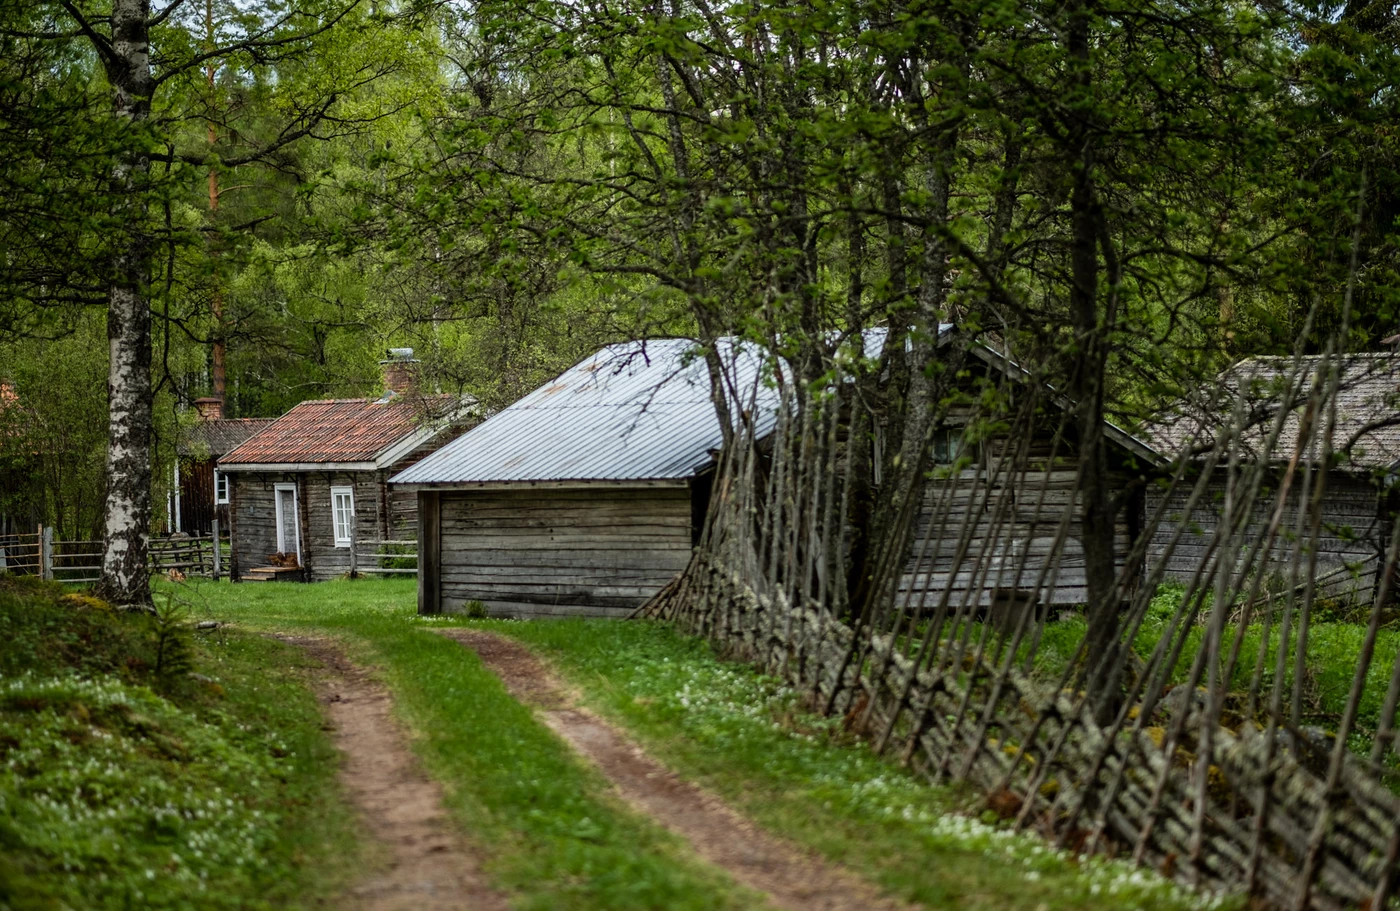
1212 764
383 558
80 562
22 554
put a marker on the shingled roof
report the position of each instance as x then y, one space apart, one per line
348 433
1367 409
211 439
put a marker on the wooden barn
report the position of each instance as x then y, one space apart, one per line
200 493
315 481
1358 506
587 496
987 528
583 498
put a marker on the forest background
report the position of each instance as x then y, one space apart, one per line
285 189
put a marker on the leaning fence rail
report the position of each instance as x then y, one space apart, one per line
1212 766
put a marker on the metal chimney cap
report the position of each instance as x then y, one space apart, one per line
400 354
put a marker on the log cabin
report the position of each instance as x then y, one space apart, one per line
200 492
1359 499
313 484
999 489
585 497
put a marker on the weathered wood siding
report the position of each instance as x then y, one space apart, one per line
253 534
1349 546
324 560
197 507
1009 514
550 552
255 519
400 507
380 514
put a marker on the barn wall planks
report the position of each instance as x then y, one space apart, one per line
560 552
1351 541
1006 510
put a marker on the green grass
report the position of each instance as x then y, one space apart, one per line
552 832
1330 665
126 783
715 722
745 736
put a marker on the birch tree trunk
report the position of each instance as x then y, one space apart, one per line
128 512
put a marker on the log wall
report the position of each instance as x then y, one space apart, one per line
255 518
1005 517
552 552
253 530
1348 549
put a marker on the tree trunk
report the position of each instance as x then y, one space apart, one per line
217 371
1091 329
125 540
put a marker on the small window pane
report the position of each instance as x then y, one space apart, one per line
945 447
220 487
342 514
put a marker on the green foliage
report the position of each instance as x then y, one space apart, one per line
53 436
388 560
126 783
1330 666
170 632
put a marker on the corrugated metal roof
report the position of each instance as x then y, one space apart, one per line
632 411
338 430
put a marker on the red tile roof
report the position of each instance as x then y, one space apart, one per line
338 430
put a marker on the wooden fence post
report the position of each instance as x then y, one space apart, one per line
46 551
354 541
216 549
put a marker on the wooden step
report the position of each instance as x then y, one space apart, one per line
273 574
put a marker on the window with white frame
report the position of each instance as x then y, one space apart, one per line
342 514
220 488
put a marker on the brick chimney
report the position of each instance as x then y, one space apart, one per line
400 371
210 408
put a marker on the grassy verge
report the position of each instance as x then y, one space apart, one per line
744 736
125 782
1329 668
553 833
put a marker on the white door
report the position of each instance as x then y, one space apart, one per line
288 541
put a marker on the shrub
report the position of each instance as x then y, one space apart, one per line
388 559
